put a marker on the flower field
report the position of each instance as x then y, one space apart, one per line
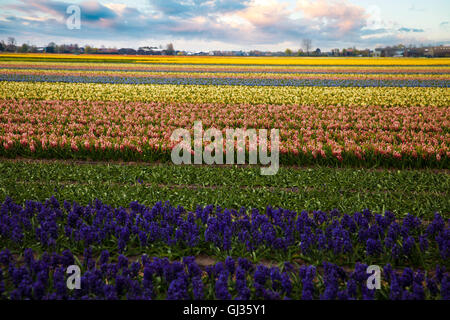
416 136
277 234
86 178
327 116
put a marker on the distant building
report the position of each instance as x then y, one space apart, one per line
365 53
415 52
201 53
108 51
398 53
127 51
255 53
390 52
438 52
347 52
150 51
431 52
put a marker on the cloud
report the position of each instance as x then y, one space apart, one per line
90 10
403 29
183 8
245 23
413 8
93 11
265 13
367 32
338 15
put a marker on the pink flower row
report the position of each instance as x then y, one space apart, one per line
230 68
387 131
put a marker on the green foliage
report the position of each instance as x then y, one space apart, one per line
419 192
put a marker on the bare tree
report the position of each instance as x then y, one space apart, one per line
11 47
307 43
11 41
169 49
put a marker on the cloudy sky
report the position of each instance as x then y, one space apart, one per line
229 24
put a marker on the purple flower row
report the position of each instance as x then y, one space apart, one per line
155 278
315 236
230 81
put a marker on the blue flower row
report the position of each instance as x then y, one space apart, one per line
350 71
148 278
277 233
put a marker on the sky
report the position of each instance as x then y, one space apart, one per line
204 25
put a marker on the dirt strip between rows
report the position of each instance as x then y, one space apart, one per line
159 163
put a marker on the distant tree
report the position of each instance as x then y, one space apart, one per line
51 47
2 46
11 47
24 48
170 50
300 52
11 41
307 43
288 52
89 49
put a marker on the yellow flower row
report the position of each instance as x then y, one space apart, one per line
258 75
205 67
383 96
242 60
